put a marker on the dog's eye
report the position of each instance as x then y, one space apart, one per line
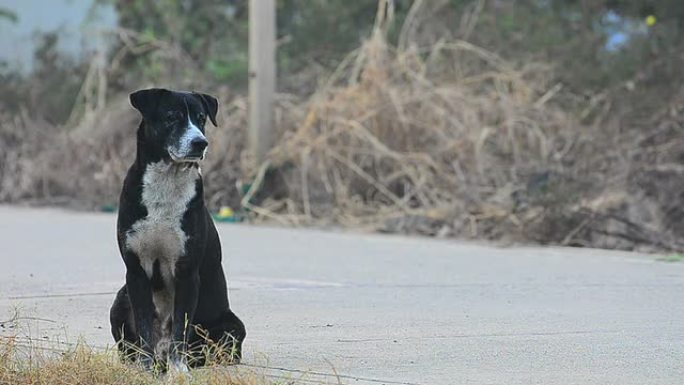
201 118
171 118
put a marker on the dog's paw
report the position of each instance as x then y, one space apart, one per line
146 362
178 366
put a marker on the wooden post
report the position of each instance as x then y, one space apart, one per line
262 76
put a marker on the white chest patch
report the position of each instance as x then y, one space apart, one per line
167 190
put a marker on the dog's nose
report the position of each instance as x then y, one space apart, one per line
198 145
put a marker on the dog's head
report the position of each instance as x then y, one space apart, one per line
174 122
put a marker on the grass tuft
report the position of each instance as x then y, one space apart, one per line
82 365
673 258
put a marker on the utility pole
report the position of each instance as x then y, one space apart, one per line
262 77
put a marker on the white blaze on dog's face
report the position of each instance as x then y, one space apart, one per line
187 142
174 123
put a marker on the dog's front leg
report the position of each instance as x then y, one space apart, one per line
140 295
185 303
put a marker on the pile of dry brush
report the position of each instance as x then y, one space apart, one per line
445 141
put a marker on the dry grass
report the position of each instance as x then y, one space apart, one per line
25 360
38 351
442 138
86 366
401 136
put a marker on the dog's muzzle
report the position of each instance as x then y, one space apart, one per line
191 147
197 147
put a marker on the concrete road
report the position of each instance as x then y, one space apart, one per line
378 309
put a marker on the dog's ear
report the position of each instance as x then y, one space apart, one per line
145 100
210 105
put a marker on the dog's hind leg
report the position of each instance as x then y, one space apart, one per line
232 332
224 338
123 327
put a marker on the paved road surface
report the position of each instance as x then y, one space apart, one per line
379 309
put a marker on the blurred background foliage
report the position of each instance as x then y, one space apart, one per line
593 45
596 82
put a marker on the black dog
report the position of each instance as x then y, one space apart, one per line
175 298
